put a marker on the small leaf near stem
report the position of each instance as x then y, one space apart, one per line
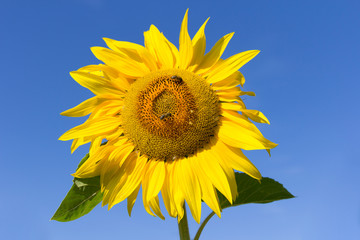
83 196
250 191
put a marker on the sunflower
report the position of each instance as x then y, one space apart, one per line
168 120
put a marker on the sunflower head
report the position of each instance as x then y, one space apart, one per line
172 119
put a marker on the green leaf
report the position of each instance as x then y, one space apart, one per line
83 196
252 191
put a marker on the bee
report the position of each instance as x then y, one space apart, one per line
162 117
177 79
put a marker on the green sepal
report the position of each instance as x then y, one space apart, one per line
251 190
83 196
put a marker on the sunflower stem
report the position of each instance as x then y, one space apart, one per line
184 227
197 236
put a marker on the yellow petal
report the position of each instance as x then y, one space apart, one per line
112 75
112 169
185 45
241 120
233 106
237 160
231 65
131 199
229 98
74 145
190 187
177 194
83 108
208 192
130 67
154 204
156 41
100 70
133 50
174 51
228 170
166 191
121 153
153 179
92 166
77 142
121 180
134 176
229 92
199 45
255 115
232 81
92 128
233 93
249 93
95 145
107 109
96 84
86 107
214 172
116 135
241 136
212 57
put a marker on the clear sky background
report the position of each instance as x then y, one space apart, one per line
307 83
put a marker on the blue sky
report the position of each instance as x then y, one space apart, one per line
306 79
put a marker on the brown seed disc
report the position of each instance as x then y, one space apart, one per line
170 114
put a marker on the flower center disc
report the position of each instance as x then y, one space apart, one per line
170 114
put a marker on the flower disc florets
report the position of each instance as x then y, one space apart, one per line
170 114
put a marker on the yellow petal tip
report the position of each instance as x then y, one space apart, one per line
72 73
273 145
61 138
